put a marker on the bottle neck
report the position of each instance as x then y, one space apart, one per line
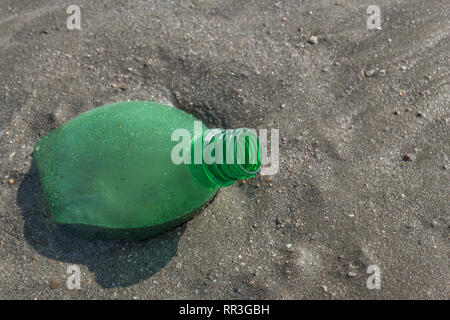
227 155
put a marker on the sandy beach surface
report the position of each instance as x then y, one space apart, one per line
363 117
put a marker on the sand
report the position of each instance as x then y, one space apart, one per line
363 117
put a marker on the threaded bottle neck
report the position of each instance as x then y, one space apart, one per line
228 155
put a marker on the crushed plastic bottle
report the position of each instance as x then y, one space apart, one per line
131 170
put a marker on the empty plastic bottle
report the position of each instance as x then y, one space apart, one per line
130 170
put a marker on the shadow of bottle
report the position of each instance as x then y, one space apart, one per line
114 263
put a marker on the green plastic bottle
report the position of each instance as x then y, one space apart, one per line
131 170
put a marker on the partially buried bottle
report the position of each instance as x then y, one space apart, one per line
131 170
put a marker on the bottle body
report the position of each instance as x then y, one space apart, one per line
109 171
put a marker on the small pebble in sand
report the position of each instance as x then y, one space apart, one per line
407 157
313 40
369 73
288 247
325 288
351 274
54 285
11 181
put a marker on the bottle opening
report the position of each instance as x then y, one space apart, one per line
230 155
247 152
